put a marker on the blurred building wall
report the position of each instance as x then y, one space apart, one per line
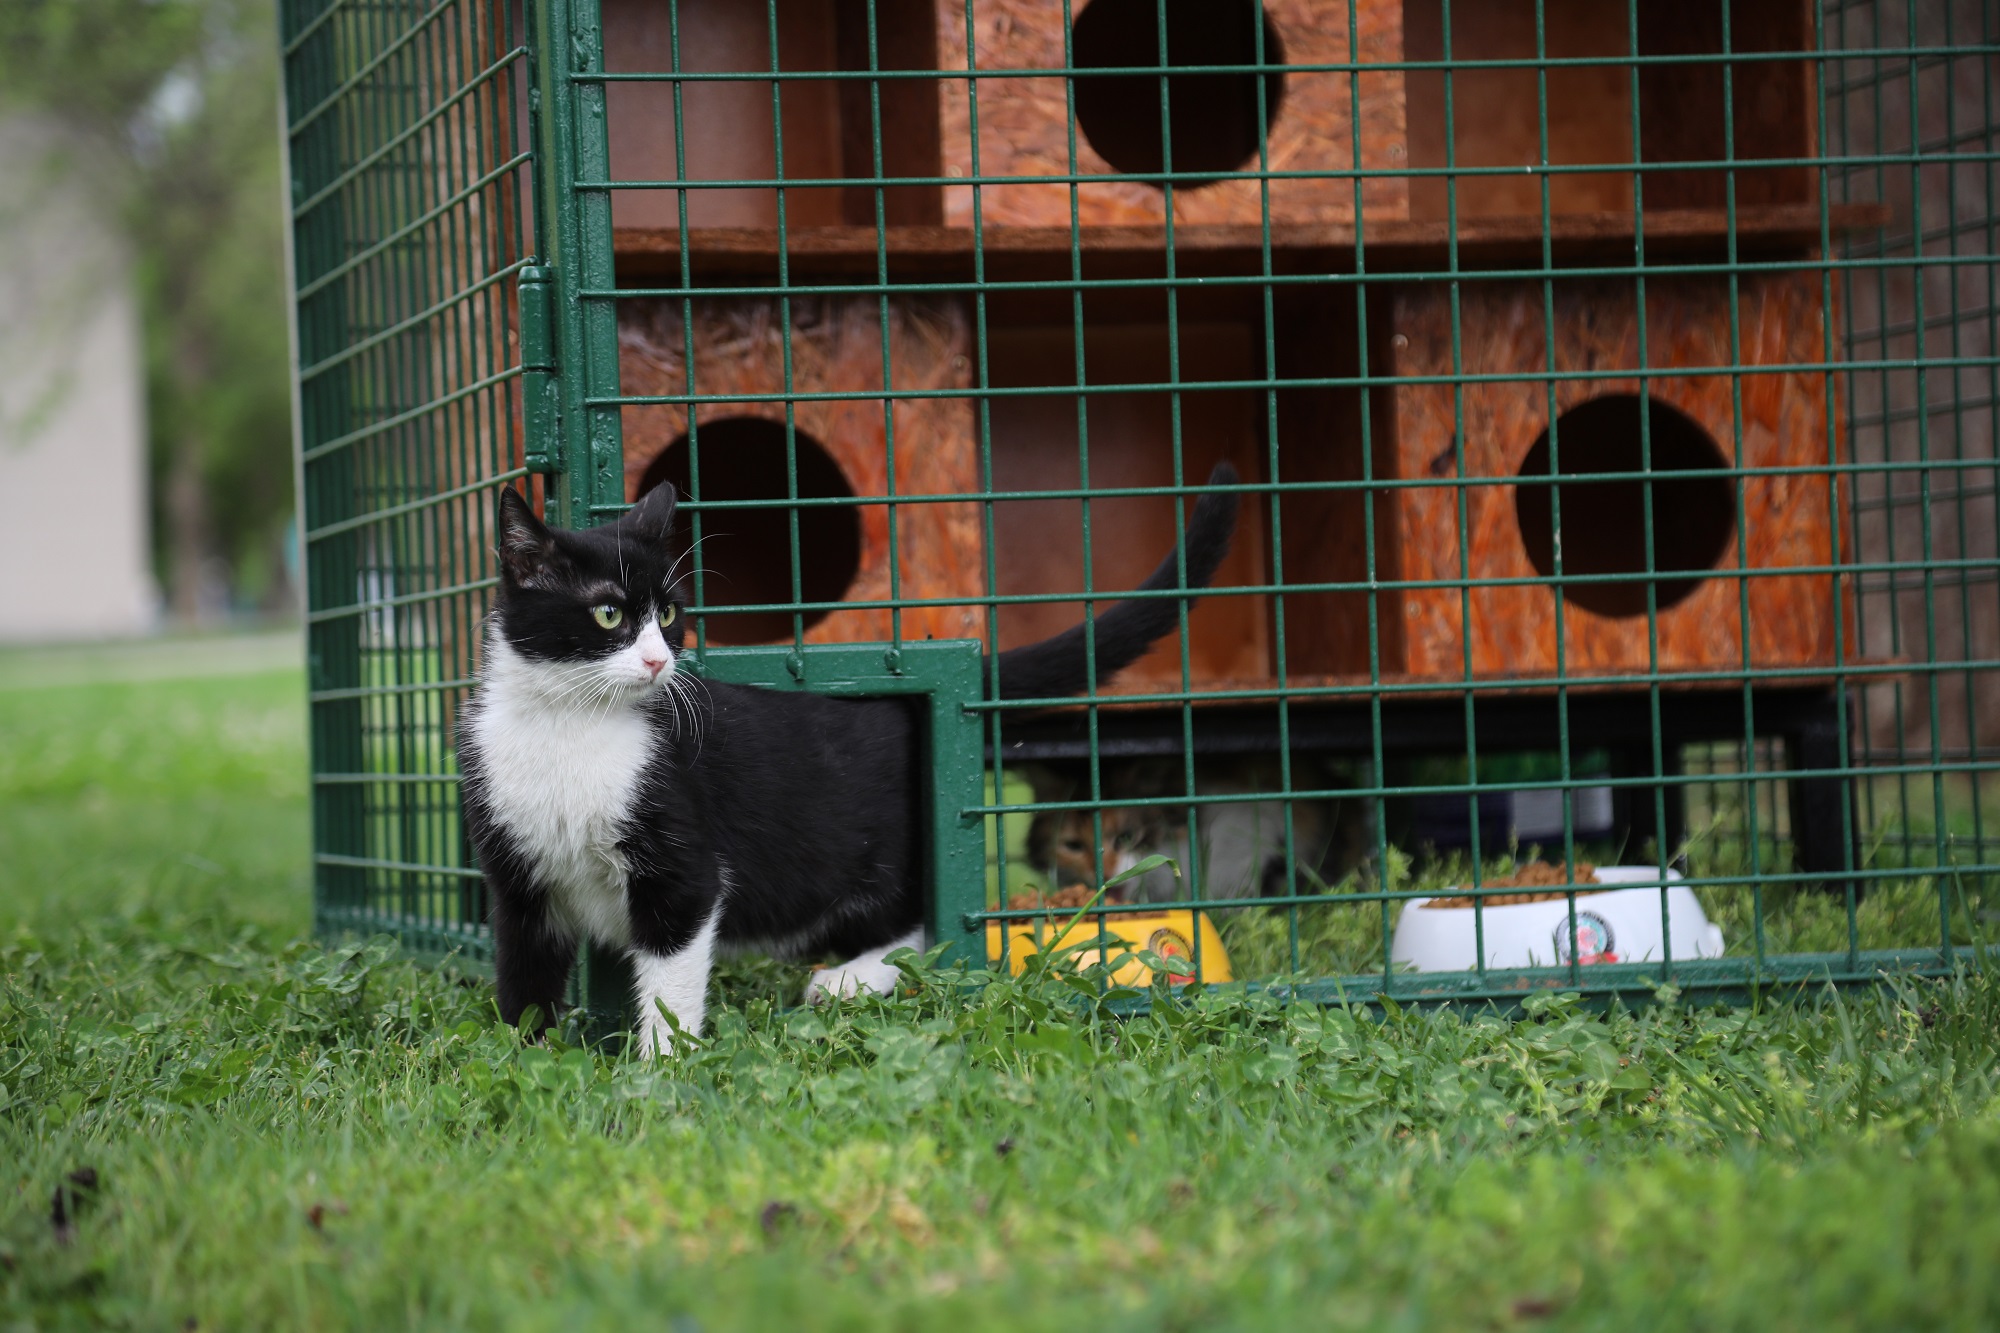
73 508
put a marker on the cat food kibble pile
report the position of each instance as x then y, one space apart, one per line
1532 876
1073 897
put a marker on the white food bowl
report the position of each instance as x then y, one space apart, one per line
1612 926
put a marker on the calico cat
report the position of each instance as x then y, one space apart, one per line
1246 849
614 797
1064 844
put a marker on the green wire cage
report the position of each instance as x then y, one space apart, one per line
1611 387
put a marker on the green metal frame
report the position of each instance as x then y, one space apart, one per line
942 678
443 352
407 181
574 229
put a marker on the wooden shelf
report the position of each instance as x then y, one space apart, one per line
651 257
1262 690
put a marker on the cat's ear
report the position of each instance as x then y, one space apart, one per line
652 519
526 547
1049 784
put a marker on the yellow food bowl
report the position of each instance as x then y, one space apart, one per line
1171 935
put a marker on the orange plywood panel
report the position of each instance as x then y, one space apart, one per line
1024 123
1769 521
835 345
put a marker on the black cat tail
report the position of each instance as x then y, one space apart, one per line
1059 666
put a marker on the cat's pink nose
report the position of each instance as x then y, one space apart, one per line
654 664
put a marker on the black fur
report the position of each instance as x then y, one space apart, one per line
811 803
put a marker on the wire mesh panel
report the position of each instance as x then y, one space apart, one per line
405 136
1608 389
1912 122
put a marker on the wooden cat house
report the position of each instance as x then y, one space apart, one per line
1339 390
835 450
1728 552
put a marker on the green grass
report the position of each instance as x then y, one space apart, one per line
292 1137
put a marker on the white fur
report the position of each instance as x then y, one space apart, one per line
562 746
863 972
679 981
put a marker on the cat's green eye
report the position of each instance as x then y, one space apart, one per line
668 613
608 616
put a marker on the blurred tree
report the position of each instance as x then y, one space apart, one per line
183 95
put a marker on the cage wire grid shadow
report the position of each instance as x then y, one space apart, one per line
1612 393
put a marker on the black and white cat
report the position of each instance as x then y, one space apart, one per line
614 797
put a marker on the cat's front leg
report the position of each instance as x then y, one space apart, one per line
532 955
674 902
673 981
532 959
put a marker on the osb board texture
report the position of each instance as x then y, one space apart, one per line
1764 109
836 346
1024 125
729 125
1784 424
1496 114
1039 544
730 130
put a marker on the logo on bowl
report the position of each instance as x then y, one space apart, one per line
1594 940
1171 946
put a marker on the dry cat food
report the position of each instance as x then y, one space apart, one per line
1073 897
1532 876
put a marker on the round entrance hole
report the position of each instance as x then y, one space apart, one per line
1214 121
1604 521
746 554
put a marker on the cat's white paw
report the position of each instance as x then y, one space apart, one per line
656 1037
851 979
866 972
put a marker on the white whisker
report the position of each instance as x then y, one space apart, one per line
673 570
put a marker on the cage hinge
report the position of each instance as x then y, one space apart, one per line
541 394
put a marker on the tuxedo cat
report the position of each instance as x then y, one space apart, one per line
613 796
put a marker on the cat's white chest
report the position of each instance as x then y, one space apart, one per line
562 782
